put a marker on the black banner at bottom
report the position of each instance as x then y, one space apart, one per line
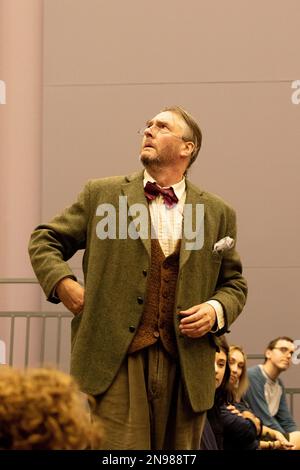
135 459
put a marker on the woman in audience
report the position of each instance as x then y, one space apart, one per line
238 372
43 409
212 437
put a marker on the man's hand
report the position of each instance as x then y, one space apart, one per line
71 294
197 321
234 410
281 442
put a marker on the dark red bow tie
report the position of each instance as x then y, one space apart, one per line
152 190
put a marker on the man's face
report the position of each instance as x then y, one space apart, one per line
162 144
280 356
220 367
237 365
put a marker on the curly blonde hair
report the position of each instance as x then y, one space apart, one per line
43 409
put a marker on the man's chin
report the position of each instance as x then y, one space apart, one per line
148 160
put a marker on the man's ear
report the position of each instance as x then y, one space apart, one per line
268 353
188 148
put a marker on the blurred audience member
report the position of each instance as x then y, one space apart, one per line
43 409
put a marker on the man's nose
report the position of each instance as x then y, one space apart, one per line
149 130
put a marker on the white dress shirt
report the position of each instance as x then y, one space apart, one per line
167 228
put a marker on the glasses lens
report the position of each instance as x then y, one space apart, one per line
154 129
284 350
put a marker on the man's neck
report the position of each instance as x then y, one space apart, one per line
271 370
166 177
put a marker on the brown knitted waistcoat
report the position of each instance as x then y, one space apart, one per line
157 318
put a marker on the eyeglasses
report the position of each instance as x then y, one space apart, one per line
284 350
158 130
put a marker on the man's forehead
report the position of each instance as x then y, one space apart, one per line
169 117
283 343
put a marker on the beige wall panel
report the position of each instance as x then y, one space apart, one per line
249 156
94 41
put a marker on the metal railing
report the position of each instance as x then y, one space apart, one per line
18 280
28 316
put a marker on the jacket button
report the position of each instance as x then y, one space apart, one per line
145 272
131 328
140 300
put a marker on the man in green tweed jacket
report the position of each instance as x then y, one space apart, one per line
162 281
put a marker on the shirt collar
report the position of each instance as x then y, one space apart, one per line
179 188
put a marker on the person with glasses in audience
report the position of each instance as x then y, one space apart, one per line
144 326
266 393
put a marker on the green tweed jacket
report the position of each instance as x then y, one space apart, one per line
115 275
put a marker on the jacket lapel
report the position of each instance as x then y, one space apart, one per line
191 214
134 191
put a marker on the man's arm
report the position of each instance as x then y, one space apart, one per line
283 414
52 245
255 396
231 291
239 429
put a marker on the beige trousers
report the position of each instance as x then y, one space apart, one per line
146 406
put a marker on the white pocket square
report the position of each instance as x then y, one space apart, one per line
224 244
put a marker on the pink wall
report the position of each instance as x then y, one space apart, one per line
20 152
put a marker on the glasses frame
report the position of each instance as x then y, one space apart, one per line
284 350
159 130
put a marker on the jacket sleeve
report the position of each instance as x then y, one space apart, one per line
232 288
238 430
52 245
